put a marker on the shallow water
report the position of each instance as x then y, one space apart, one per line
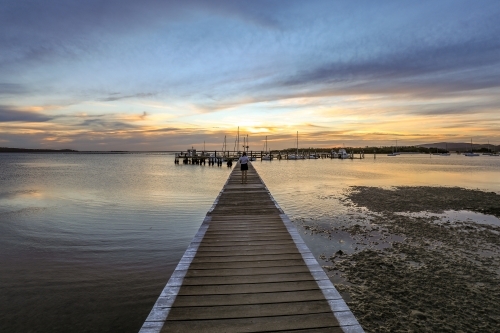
312 192
89 241
461 215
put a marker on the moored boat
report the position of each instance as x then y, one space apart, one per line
343 154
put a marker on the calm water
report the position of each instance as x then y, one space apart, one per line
310 191
87 242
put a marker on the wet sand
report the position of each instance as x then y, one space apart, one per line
416 272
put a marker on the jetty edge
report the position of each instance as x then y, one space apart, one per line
248 270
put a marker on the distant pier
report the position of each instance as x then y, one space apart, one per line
219 157
248 270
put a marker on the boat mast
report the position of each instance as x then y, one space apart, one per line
297 143
224 147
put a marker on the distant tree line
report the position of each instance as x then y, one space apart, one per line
26 150
383 150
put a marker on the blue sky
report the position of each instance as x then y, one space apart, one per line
167 75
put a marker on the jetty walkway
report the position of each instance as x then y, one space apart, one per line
248 270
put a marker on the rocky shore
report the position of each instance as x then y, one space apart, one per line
418 272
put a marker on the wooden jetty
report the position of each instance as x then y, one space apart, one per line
248 270
219 158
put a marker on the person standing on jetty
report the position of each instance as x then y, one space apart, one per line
244 167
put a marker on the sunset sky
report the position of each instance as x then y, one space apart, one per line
168 75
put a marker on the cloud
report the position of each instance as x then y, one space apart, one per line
12 89
119 96
9 114
410 70
106 124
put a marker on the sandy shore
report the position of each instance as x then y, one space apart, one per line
416 272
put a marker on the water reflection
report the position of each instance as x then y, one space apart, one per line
89 241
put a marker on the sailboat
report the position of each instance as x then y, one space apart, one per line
267 156
250 158
296 156
224 148
447 152
488 154
495 153
471 152
237 143
394 153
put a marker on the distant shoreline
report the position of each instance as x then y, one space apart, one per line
418 149
27 150
72 151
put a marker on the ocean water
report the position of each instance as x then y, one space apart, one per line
88 241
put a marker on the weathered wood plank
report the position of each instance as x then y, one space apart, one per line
259 324
263 278
249 257
254 298
248 288
245 264
286 308
247 271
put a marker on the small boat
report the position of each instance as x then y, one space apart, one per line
343 154
490 153
267 156
447 152
471 152
296 156
394 153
